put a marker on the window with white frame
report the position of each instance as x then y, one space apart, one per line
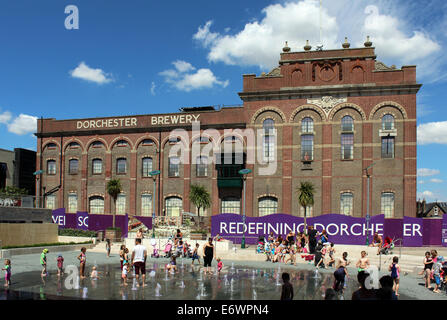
269 140
387 122
347 146
146 204
96 205
121 166
73 165
50 202
267 205
121 204
147 166
72 202
307 125
387 204
231 205
346 203
97 166
51 167
201 166
173 206
174 167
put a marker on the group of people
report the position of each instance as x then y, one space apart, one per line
435 269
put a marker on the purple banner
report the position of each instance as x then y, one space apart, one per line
444 231
341 229
59 217
412 234
433 236
82 220
147 221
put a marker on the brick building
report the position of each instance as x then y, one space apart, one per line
320 116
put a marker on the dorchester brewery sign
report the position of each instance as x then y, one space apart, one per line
340 228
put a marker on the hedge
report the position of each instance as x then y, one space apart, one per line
46 245
77 233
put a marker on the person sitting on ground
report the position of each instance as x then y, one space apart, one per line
377 242
287 288
271 238
364 293
363 262
172 265
292 254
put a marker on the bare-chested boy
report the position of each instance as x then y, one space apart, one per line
363 262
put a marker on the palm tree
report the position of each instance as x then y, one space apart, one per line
306 198
200 197
114 189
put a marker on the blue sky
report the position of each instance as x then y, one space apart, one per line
140 56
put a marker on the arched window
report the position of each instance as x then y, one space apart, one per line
387 122
73 145
51 146
201 166
147 142
121 204
97 166
231 205
269 140
267 205
173 206
307 125
146 204
97 144
121 143
346 203
387 204
121 166
73 165
147 166
96 205
72 202
51 167
347 124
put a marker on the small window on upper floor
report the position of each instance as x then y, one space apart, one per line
121 143
347 124
387 122
307 125
51 146
147 142
97 144
73 145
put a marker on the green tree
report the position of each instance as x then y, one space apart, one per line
200 197
306 198
114 189
11 191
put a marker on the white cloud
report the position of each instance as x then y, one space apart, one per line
5 117
184 79
23 124
84 72
153 88
259 42
392 42
432 132
434 180
426 195
421 182
424 172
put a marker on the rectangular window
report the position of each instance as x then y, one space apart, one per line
146 205
121 166
346 201
202 167
347 146
174 167
307 147
50 202
387 147
97 166
73 166
72 202
121 204
147 166
387 204
51 167
231 206
269 148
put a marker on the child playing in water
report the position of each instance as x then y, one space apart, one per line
94 274
108 247
195 254
122 248
395 271
172 266
287 288
125 272
219 264
43 262
60 265
331 252
82 260
437 266
363 262
7 270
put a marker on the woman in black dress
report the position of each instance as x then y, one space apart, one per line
208 255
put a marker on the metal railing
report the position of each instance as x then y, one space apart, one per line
394 241
21 202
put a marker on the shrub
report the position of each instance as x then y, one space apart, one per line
77 233
46 245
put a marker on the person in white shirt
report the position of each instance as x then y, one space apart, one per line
125 272
139 256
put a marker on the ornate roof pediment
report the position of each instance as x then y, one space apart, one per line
327 103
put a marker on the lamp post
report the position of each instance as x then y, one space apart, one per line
37 174
154 175
367 202
244 173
